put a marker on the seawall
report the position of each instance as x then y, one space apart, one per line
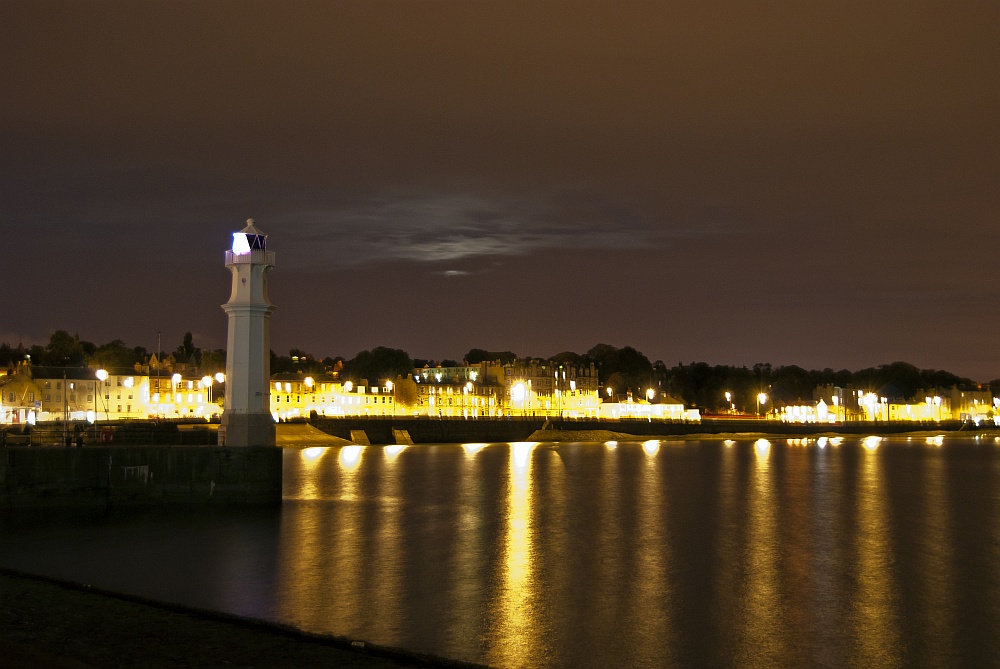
138 475
485 430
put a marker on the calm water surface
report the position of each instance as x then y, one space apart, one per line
657 554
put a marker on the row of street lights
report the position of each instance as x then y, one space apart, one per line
761 399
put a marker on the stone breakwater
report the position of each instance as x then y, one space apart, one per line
138 475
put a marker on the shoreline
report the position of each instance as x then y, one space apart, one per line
46 621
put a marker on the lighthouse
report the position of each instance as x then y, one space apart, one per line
247 419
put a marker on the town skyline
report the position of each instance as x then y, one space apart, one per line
808 185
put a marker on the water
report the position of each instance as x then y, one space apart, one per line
655 554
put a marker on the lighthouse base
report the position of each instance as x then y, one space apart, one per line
246 429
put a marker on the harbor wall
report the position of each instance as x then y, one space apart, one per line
138 475
423 430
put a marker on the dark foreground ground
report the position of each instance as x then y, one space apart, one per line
50 624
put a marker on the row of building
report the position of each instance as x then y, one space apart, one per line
833 404
486 390
532 387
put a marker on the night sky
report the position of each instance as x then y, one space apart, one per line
811 183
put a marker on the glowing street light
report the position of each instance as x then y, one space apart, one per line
761 399
518 393
220 377
650 394
102 376
729 401
309 382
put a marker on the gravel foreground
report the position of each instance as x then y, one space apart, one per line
49 623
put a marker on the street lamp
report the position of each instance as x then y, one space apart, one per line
102 376
761 399
206 383
729 401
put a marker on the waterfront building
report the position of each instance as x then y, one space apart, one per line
666 408
538 387
451 397
965 405
297 395
20 396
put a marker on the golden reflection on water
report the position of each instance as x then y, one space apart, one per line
651 599
309 485
938 551
513 607
761 643
466 584
314 538
350 457
472 449
388 549
872 612
392 451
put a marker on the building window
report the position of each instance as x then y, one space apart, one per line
48 398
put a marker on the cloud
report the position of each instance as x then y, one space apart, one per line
448 228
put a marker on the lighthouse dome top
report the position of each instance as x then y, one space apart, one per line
251 228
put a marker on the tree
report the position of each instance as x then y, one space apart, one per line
113 355
63 350
186 351
634 367
378 363
405 389
478 355
567 358
213 361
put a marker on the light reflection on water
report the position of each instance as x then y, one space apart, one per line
806 552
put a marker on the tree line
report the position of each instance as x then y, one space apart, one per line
66 350
624 370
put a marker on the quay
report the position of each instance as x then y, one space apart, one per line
124 475
428 430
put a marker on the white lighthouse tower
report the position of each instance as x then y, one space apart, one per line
247 420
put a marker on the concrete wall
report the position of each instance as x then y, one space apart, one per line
485 430
433 430
136 475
